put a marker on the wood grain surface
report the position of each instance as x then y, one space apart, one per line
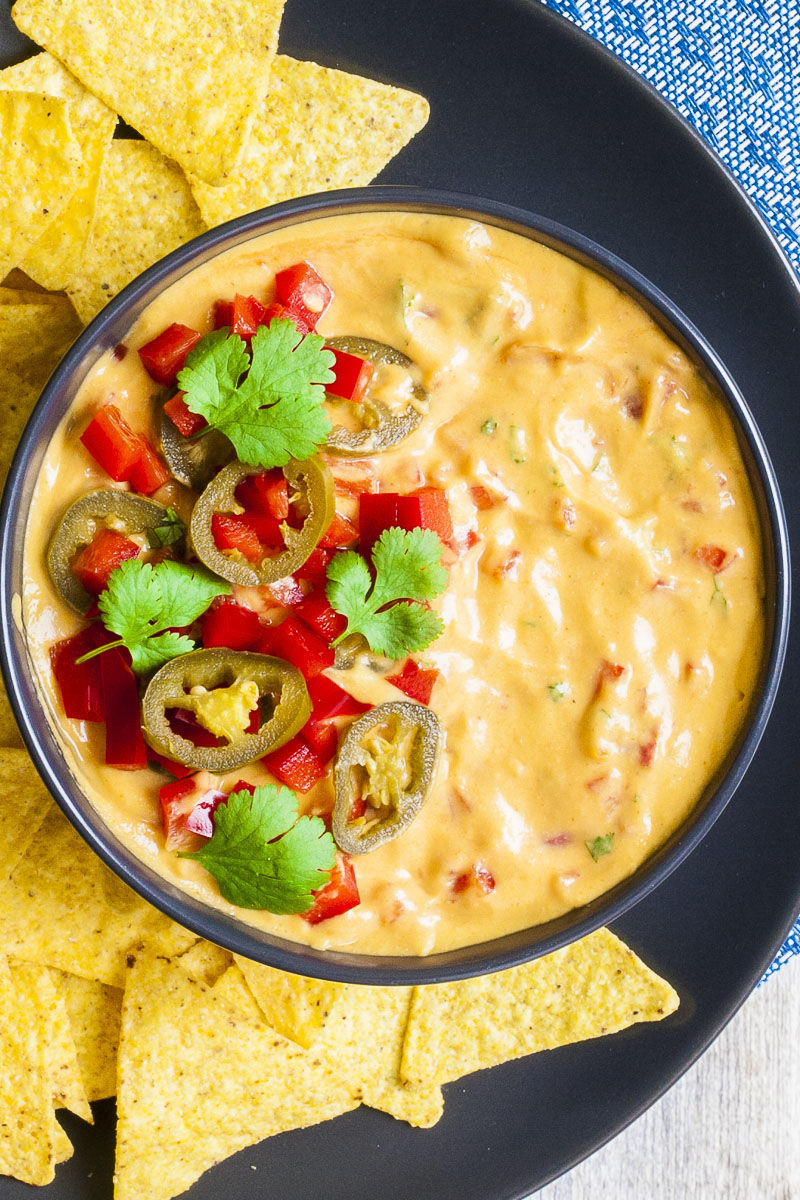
729 1130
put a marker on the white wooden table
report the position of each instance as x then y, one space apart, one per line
729 1130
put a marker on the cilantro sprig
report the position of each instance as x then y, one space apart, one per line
263 855
145 603
169 530
388 612
600 846
267 402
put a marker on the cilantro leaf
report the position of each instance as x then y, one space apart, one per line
263 856
142 603
268 403
408 568
169 531
599 846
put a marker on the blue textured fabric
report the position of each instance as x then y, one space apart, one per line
732 68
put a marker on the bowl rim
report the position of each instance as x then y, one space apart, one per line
108 328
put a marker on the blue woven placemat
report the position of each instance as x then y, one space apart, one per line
732 68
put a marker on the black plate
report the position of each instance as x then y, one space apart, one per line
527 110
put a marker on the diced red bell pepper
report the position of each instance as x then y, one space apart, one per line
232 531
414 681
328 700
279 312
482 498
434 512
127 456
340 532
426 508
223 314
112 443
178 770
338 895
165 355
232 625
376 511
304 292
185 724
125 744
713 557
295 642
81 686
107 550
265 494
187 812
248 314
315 568
318 614
352 376
182 417
295 764
322 737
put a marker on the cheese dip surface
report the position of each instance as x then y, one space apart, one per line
603 624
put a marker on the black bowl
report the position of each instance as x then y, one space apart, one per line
108 329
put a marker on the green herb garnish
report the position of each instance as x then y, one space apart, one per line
600 846
718 594
408 569
558 691
168 531
144 604
489 427
517 444
268 402
263 855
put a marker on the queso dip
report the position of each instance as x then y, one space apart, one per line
602 620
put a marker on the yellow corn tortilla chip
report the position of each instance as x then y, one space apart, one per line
358 1031
66 1079
24 804
144 210
205 962
593 987
186 74
18 279
199 1080
62 1145
40 165
297 1007
27 1116
316 129
63 908
14 295
94 1011
35 335
56 257
10 735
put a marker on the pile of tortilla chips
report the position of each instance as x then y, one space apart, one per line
102 995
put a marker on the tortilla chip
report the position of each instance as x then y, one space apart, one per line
13 295
315 130
297 1007
199 1080
18 279
56 257
24 804
205 962
10 735
593 987
64 1149
40 165
66 1079
63 908
94 1012
186 74
27 1116
357 1030
35 335
144 210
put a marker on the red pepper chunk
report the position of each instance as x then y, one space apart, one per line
318 614
125 744
414 681
352 376
329 700
340 532
713 557
223 314
338 895
187 812
234 532
107 550
266 494
185 421
230 625
304 292
128 457
178 770
81 686
165 355
315 568
322 737
242 315
295 642
295 764
426 508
